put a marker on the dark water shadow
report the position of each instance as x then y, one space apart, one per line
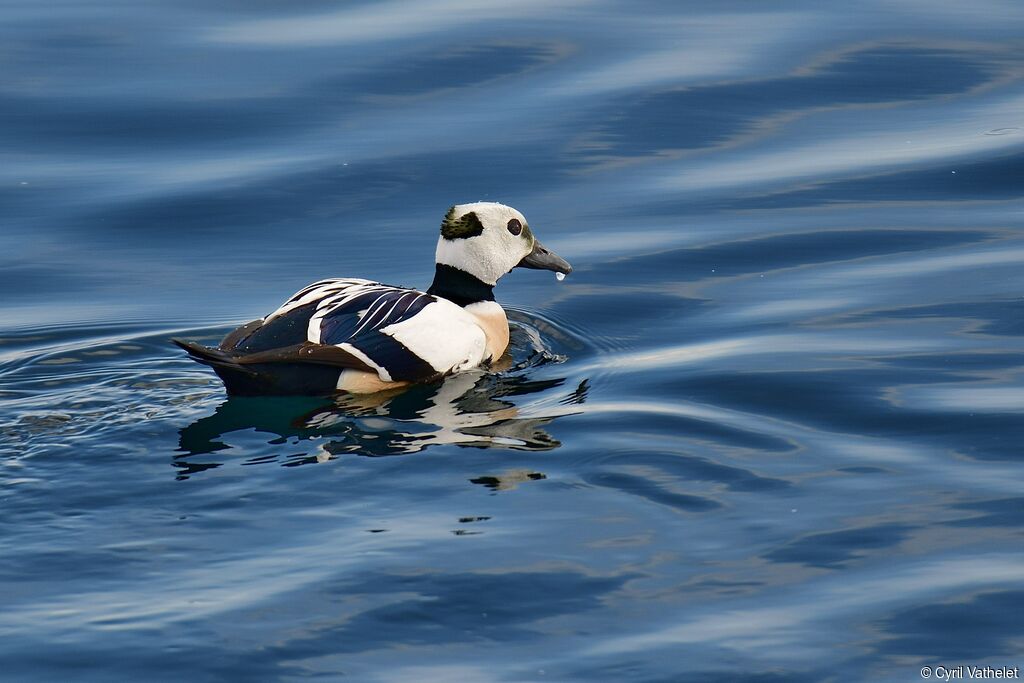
985 180
666 466
1000 512
764 253
439 608
309 203
835 549
199 119
969 628
853 402
1000 317
682 119
653 491
429 611
437 72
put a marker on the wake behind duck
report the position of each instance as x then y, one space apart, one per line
359 336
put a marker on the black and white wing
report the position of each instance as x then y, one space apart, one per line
402 334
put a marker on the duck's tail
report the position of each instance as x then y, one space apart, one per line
237 378
208 356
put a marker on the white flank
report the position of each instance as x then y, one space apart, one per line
382 372
442 334
491 318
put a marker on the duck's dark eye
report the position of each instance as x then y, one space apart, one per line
514 226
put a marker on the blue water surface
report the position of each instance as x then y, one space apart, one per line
770 429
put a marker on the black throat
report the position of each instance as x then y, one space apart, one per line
459 287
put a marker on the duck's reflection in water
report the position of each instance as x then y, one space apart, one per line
469 409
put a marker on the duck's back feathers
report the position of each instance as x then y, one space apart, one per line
400 335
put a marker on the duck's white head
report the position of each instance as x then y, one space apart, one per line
487 240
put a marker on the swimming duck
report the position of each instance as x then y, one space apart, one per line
358 336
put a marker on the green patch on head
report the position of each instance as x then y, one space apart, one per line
466 225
